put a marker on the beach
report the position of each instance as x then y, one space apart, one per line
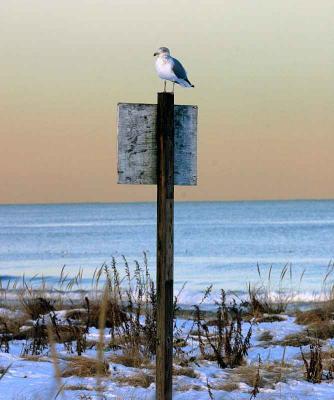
63 266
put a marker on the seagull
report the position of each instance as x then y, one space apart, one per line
170 69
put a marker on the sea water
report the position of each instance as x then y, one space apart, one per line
219 243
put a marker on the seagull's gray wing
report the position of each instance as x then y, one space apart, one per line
178 69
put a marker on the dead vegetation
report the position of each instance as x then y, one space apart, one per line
319 321
35 358
4 370
327 357
318 363
225 342
190 386
84 367
225 386
295 340
314 316
125 309
265 298
266 336
130 359
314 332
34 306
323 331
184 371
129 313
115 315
5 337
265 375
77 387
269 318
313 366
140 379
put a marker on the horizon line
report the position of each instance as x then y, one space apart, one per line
153 201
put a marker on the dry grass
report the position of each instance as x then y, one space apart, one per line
40 358
184 371
266 298
91 344
316 315
322 330
328 366
327 359
189 386
117 343
225 386
266 336
320 320
246 374
140 379
130 313
295 340
77 387
35 306
78 314
327 353
269 374
11 325
319 325
114 315
65 333
279 372
84 367
270 318
130 359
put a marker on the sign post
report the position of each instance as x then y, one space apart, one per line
165 250
157 144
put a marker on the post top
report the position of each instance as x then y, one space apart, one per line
166 93
122 103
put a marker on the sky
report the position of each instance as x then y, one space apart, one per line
264 83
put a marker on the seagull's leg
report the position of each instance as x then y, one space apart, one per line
164 86
173 87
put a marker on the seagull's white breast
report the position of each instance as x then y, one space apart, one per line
164 69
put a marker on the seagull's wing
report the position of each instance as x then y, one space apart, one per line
178 69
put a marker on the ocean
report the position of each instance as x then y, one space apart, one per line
219 243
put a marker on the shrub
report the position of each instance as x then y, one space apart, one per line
313 367
225 343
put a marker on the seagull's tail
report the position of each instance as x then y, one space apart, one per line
191 85
185 83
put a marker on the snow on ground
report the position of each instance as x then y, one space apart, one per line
279 329
34 380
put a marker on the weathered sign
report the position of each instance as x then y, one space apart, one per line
137 144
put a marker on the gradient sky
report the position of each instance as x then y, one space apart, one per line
264 77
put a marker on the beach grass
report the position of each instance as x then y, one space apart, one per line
91 332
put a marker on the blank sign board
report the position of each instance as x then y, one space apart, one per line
137 145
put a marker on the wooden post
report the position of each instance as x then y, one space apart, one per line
165 248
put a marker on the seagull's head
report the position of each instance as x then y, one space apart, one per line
162 51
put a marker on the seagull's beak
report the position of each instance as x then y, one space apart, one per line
155 54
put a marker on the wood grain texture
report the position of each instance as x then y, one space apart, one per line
137 144
165 244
